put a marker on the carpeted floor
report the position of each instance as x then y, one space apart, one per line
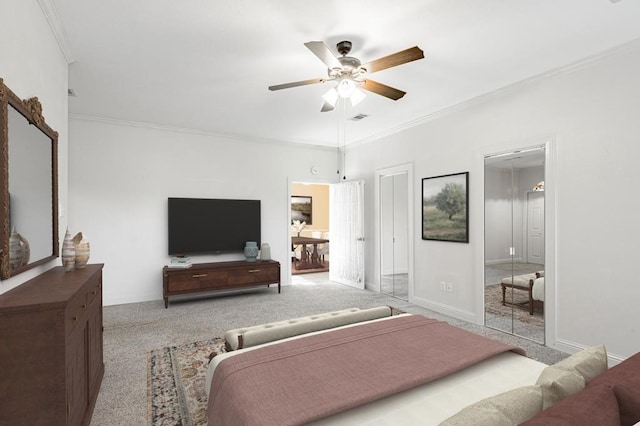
133 330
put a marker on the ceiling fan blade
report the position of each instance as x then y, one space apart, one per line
321 50
382 90
297 83
327 107
412 54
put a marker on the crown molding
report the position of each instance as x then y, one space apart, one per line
55 23
229 136
630 46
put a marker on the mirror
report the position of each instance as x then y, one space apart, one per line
28 185
514 242
394 235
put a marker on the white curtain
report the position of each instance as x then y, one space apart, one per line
346 222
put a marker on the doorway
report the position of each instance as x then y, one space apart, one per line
514 258
310 208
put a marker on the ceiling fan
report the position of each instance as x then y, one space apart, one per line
351 74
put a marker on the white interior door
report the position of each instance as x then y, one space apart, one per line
346 221
535 227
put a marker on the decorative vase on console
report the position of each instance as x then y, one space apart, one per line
265 252
81 246
251 251
68 252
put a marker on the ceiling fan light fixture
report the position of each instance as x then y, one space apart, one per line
345 88
331 97
357 96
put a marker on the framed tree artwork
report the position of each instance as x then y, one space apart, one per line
445 208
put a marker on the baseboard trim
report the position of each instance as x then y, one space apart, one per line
445 309
573 347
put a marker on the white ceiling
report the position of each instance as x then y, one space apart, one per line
205 65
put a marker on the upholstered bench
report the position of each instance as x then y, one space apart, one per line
521 282
258 334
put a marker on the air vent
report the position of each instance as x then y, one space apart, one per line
358 117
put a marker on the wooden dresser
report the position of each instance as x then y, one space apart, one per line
51 362
204 277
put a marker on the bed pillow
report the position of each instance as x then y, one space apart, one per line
625 380
589 362
571 374
505 409
595 405
557 384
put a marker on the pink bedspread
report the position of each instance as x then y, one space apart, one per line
315 376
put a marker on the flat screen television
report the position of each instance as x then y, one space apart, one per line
205 225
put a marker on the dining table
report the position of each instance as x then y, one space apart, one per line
308 260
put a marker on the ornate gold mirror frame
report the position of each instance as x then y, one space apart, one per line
29 177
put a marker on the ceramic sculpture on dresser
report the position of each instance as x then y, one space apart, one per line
82 250
68 252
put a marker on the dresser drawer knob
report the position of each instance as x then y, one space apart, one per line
75 318
198 275
254 270
83 306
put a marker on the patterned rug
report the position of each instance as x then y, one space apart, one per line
176 389
176 382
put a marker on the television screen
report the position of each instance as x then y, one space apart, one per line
199 225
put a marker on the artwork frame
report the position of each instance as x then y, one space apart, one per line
302 208
445 208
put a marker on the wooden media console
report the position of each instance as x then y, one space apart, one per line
205 277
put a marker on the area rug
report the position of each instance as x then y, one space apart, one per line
493 305
176 383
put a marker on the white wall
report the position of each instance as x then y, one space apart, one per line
121 176
32 64
591 114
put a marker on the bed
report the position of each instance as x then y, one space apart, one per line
408 370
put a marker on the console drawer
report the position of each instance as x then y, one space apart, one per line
197 280
259 274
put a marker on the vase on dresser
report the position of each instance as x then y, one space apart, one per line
68 252
15 250
82 250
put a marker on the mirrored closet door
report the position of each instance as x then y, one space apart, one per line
514 242
394 235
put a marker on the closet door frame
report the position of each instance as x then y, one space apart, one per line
408 169
477 221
